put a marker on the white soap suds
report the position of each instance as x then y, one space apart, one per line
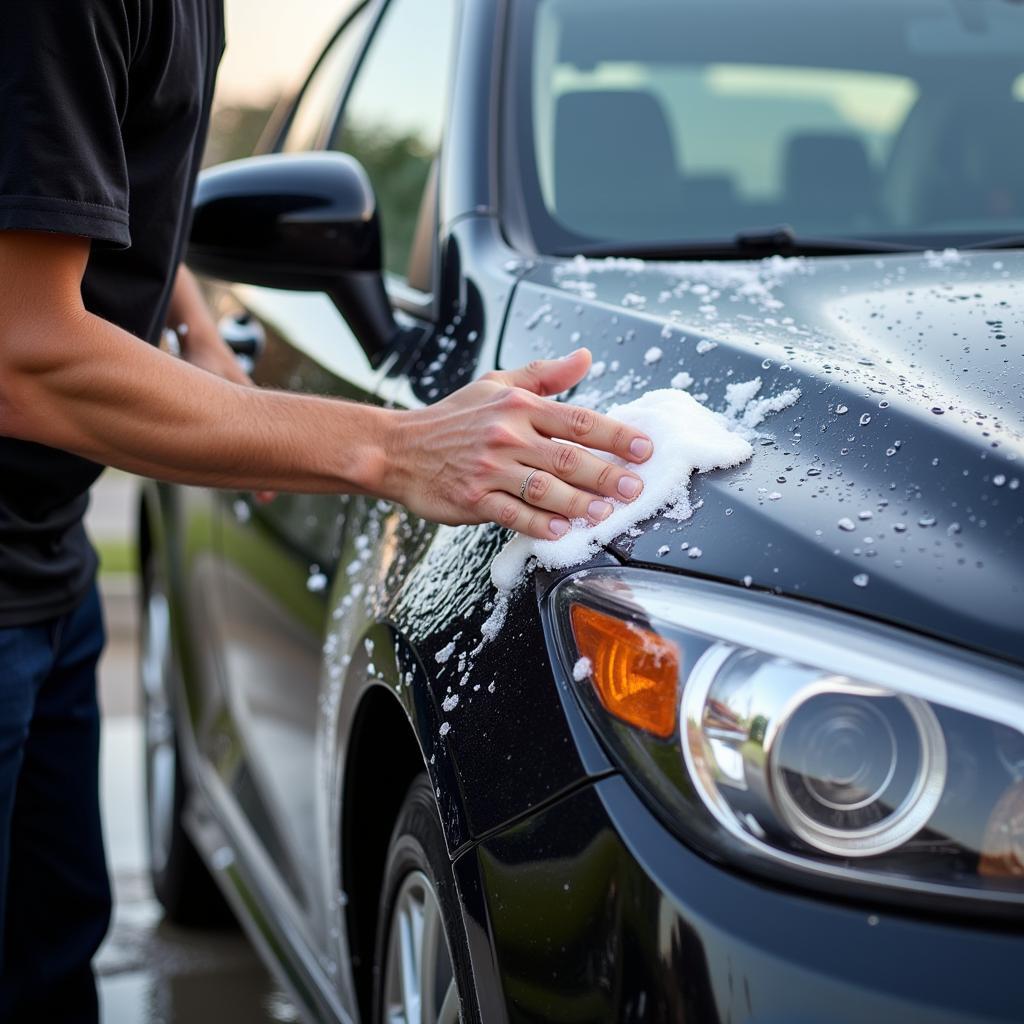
581 669
317 581
756 413
653 355
451 702
445 729
445 653
739 395
747 411
682 380
687 438
945 258
705 346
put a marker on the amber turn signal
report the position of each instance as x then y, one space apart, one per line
634 670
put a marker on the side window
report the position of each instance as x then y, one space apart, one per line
322 93
394 116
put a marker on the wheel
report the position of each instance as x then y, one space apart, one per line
422 964
181 881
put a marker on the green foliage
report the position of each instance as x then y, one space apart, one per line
399 169
117 557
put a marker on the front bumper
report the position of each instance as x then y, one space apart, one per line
591 910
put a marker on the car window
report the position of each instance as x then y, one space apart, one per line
393 119
322 93
889 119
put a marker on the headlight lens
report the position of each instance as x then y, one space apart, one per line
799 741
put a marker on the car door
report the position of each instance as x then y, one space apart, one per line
280 558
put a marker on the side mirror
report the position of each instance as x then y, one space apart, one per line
303 222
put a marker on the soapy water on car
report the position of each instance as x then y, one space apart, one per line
688 438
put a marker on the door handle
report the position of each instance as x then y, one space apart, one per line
244 335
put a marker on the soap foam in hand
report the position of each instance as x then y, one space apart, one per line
688 438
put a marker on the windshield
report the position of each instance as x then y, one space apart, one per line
659 121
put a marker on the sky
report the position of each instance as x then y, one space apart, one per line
270 45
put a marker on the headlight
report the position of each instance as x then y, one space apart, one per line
801 742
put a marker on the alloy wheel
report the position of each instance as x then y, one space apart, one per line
419 979
161 755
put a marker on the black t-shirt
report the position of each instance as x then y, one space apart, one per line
104 107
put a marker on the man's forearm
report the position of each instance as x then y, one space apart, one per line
125 404
492 451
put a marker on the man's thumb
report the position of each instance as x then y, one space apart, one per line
550 376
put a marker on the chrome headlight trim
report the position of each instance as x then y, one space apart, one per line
888 834
882 658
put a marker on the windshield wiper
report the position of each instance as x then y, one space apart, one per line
1005 242
785 241
777 241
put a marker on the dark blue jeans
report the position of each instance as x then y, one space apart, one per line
54 888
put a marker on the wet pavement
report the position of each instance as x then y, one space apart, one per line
152 972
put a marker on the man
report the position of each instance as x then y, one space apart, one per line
104 106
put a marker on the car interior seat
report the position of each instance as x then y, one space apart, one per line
616 168
828 182
977 174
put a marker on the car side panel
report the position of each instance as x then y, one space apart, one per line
276 561
505 735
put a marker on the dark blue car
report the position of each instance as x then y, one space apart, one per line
764 763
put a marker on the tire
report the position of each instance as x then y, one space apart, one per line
181 881
417 870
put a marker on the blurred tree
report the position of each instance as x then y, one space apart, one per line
399 168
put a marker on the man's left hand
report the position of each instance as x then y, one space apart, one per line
212 354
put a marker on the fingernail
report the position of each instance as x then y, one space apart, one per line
641 448
599 510
629 486
559 527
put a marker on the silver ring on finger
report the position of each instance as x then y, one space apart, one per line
526 484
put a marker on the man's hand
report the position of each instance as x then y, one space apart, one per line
467 458
201 343
213 355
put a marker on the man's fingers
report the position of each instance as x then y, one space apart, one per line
514 514
582 469
586 427
548 376
546 491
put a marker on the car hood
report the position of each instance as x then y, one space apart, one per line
894 486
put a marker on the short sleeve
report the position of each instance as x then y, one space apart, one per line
64 74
